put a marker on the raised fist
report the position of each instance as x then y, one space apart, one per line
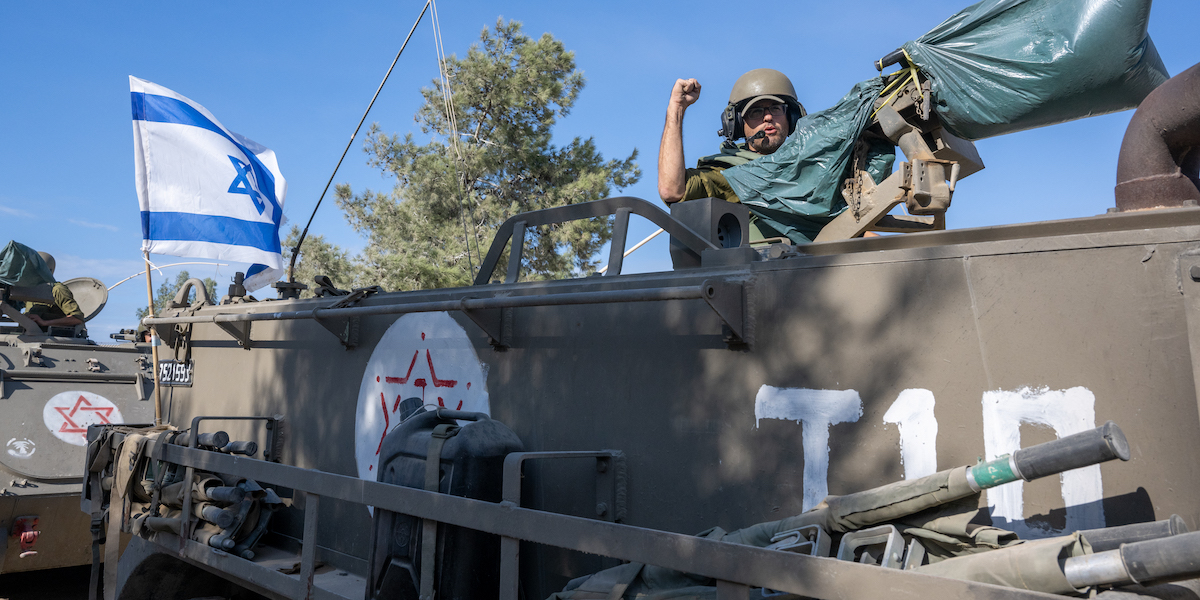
686 92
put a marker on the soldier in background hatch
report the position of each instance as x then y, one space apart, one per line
63 313
762 108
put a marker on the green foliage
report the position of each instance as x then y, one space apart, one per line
449 198
318 257
166 293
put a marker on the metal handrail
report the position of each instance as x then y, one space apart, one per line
733 566
606 296
621 206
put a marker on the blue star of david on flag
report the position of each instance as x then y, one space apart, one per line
241 184
194 178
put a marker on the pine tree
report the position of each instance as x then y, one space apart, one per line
449 199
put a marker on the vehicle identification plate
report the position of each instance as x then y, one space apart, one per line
175 372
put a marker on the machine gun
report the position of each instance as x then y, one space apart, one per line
11 293
937 159
89 293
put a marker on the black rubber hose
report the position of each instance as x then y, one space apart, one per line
1111 538
1167 559
244 448
1072 452
216 439
225 495
215 515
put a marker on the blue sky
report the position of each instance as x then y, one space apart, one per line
296 77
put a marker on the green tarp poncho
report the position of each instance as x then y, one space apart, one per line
22 266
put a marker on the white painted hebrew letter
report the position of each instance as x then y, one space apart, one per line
1066 412
816 411
912 412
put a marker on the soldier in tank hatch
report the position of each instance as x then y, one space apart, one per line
762 109
64 312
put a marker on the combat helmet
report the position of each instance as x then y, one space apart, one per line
751 87
48 259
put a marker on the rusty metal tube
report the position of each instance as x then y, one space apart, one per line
1161 150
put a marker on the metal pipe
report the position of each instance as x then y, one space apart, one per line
1154 169
611 296
31 375
1153 561
1096 569
154 338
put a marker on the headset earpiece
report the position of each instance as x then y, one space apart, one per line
795 113
733 128
731 123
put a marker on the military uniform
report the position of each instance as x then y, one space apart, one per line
64 305
707 181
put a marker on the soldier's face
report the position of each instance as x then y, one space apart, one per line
769 118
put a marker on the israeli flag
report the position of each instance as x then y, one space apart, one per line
204 191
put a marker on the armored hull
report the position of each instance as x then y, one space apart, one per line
744 390
51 390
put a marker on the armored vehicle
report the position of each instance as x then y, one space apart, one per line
54 383
1008 411
508 438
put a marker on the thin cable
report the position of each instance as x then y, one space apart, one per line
630 251
159 269
303 234
448 107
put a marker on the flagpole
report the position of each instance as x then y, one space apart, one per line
153 343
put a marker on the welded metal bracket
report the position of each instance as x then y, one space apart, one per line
728 300
809 539
610 500
27 324
31 356
610 479
1189 287
139 383
346 328
240 331
495 322
882 545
